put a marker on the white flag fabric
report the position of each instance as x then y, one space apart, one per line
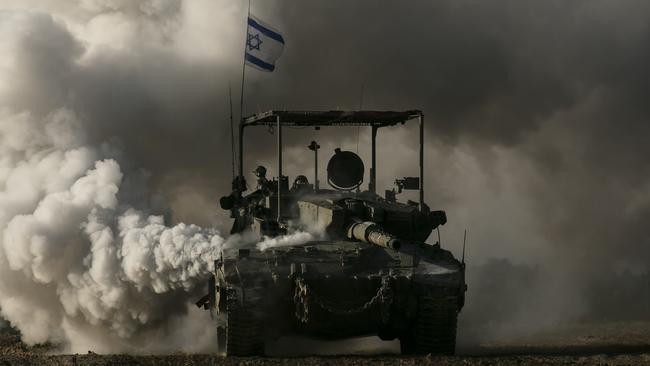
264 45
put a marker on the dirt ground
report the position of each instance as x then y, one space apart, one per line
593 344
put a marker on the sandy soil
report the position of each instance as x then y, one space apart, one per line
593 344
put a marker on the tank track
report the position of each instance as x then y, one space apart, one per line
244 332
434 331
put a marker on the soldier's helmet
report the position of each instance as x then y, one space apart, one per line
260 171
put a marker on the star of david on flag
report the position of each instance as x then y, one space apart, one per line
264 45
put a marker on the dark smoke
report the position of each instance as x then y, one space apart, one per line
536 113
536 120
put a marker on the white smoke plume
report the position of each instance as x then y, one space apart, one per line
87 258
75 258
297 238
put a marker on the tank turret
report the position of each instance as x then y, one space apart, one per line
367 219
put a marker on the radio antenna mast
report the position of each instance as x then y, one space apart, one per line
232 131
464 240
360 108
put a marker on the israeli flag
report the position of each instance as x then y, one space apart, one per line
264 45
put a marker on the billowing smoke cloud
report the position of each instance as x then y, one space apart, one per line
536 127
537 137
76 254
84 261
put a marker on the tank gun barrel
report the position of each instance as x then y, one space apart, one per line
372 233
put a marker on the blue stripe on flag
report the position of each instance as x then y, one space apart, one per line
267 32
259 63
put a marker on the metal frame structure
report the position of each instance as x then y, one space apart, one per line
374 119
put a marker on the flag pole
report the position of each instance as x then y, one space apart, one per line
243 78
232 131
243 68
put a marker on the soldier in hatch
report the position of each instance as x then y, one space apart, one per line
263 184
263 189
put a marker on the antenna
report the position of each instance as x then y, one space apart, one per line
314 147
232 132
360 107
464 240
363 86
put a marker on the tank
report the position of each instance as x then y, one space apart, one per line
367 269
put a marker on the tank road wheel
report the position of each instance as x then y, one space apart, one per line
243 332
434 331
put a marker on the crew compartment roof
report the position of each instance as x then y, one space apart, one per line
331 118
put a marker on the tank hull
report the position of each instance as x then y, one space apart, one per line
335 290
